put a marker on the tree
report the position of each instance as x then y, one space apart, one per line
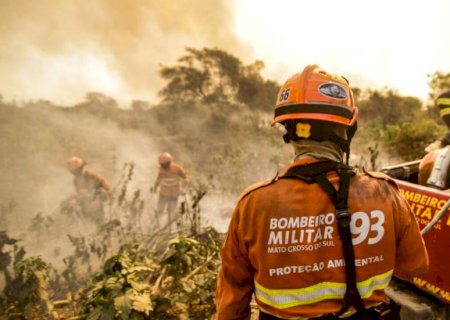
215 76
140 105
397 122
387 107
99 104
100 99
409 139
439 82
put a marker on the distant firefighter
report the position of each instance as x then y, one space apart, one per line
172 182
92 190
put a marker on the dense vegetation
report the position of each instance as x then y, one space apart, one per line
214 117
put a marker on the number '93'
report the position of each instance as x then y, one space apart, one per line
361 224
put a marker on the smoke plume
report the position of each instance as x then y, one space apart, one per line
57 50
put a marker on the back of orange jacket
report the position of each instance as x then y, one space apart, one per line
283 246
90 181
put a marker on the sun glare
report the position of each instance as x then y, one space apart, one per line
382 43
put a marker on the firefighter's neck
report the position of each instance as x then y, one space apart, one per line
320 150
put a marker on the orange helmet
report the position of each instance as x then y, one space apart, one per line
164 158
316 95
74 163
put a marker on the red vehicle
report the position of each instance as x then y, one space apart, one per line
431 208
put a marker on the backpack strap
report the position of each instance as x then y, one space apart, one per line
316 173
340 198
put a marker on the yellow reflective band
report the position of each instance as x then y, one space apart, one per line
444 111
444 101
287 298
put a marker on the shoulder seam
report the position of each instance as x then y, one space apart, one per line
257 186
380 176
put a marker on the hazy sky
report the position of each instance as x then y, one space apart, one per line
373 43
59 50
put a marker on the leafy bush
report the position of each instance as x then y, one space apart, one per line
120 292
409 140
28 292
136 284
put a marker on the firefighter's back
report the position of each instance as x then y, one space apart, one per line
290 231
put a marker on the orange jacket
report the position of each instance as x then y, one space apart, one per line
426 166
90 181
283 246
169 180
441 177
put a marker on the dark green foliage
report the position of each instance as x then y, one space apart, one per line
388 106
215 76
399 124
439 82
411 138
99 104
10 254
137 284
120 292
28 291
31 281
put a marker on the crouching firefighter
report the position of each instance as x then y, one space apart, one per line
319 241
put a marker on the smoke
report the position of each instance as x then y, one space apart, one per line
37 139
36 143
58 50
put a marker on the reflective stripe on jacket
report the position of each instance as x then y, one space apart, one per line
283 246
282 299
169 180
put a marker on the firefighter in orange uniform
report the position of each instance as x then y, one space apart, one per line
318 241
435 165
172 182
92 189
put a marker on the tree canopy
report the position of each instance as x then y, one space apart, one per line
215 76
398 123
387 106
439 82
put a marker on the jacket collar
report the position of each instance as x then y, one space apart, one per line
299 163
